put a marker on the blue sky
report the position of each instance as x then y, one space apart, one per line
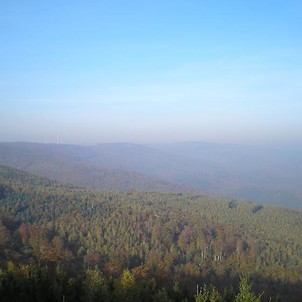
151 71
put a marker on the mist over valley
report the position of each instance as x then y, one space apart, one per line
265 174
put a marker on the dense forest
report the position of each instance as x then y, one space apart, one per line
64 243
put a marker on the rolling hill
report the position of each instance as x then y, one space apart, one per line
263 174
74 165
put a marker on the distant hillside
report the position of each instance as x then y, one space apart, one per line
71 164
12 175
263 174
271 173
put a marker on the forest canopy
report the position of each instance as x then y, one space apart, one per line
162 243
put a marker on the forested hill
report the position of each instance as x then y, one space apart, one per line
70 164
16 176
164 244
261 174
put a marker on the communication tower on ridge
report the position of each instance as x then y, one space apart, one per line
59 140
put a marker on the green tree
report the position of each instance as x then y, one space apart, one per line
245 292
208 295
94 285
162 295
125 287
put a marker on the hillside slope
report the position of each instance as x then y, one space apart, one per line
271 173
263 174
166 237
72 164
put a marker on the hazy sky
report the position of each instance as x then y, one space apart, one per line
148 71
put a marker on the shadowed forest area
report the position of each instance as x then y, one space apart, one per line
87 245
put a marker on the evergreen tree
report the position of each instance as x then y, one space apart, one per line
245 292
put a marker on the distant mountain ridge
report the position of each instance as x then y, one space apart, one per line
71 164
262 174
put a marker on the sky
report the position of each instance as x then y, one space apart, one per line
88 72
